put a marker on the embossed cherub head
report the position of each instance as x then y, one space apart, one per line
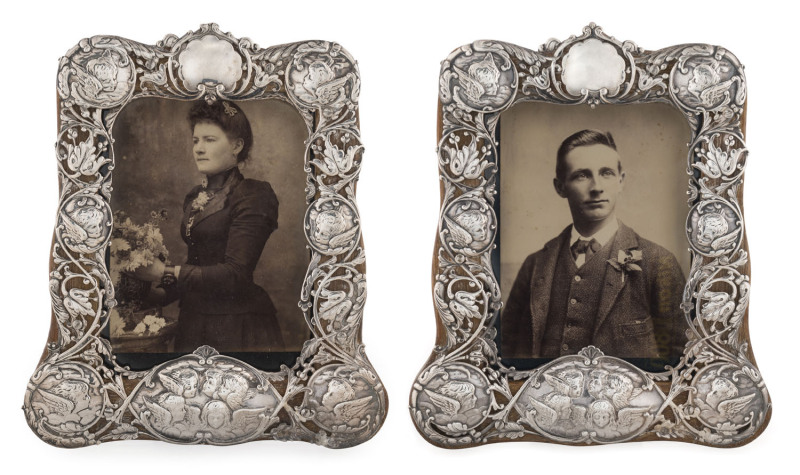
601 413
486 73
233 389
329 224
338 391
709 227
703 77
187 377
721 389
475 223
215 414
212 382
90 219
318 73
104 69
597 383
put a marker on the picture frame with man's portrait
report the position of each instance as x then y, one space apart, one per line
579 298
214 293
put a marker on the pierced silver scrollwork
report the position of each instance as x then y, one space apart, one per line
79 395
715 395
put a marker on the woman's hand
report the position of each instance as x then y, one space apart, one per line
151 273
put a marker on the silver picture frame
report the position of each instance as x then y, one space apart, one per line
466 395
80 395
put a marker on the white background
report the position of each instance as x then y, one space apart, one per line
399 46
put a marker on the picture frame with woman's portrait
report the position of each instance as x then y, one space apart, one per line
214 292
579 298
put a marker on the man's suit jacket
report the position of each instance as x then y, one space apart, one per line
639 316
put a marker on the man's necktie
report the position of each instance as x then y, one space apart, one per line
582 246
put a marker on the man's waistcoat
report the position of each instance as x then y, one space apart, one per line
574 299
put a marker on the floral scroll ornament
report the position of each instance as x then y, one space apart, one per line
338 304
337 157
462 305
466 156
83 153
721 161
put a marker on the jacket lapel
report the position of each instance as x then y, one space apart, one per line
542 284
624 240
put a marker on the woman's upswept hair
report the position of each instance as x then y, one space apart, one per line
227 116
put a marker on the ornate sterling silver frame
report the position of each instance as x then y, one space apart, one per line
465 395
79 395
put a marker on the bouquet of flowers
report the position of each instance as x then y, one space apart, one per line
134 246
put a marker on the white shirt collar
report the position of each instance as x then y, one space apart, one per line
602 236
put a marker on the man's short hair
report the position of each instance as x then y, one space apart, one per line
581 139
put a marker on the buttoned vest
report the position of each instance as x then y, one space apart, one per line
574 301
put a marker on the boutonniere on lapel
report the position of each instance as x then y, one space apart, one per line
626 262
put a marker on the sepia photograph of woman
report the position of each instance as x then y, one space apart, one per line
226 222
201 251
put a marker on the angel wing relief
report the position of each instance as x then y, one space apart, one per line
481 83
580 400
343 400
452 398
214 401
724 400
332 227
467 227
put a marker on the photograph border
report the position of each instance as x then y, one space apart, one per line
79 395
465 396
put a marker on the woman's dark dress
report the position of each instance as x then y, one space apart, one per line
220 305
